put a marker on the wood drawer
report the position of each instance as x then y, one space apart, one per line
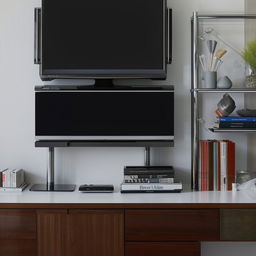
162 249
17 224
18 247
238 224
172 225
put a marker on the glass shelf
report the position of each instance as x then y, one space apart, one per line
234 90
232 130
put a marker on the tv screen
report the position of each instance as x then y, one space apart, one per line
105 115
103 38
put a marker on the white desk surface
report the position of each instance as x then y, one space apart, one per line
186 197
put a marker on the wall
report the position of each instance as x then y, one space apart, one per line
18 76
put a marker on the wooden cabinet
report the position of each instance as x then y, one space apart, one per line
162 249
113 231
18 232
172 225
96 233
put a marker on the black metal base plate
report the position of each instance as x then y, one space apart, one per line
55 188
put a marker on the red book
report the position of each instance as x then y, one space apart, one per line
231 164
204 145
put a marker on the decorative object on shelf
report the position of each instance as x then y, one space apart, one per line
225 106
244 176
249 185
210 79
249 55
211 64
246 112
12 180
211 44
217 59
224 83
210 31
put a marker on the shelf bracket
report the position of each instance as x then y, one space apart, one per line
147 156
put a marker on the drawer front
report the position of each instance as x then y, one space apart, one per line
238 224
18 247
95 233
172 225
17 224
162 249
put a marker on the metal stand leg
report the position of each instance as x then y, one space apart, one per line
50 170
50 185
147 156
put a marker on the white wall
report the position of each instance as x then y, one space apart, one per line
18 76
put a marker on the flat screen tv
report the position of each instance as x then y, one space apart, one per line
105 115
103 39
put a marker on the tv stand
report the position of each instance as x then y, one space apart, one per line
50 185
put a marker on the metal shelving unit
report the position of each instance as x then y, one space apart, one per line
195 91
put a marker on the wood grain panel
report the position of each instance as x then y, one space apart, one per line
162 249
172 225
96 233
17 224
19 247
52 232
238 224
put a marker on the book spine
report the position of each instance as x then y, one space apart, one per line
237 125
215 165
210 168
204 165
4 178
231 165
219 167
19 177
153 180
149 172
237 119
223 165
150 187
13 179
145 176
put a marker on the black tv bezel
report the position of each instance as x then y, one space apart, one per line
157 74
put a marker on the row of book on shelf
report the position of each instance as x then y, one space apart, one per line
236 122
12 180
217 165
149 179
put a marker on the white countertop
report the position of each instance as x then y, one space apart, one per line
212 197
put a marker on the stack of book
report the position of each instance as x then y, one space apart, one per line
12 180
149 179
217 165
236 122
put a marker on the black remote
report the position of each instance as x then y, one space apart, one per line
92 188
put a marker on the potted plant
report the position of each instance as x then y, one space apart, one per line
249 55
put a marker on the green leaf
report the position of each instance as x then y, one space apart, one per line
249 54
